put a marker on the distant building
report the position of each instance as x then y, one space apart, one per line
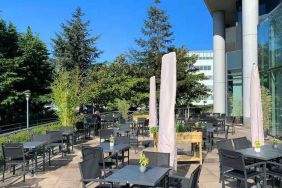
205 65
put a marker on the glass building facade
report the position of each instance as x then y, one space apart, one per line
270 64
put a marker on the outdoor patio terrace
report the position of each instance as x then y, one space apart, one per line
64 172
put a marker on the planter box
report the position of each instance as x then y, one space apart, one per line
144 116
196 139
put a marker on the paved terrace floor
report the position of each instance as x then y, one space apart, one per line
64 172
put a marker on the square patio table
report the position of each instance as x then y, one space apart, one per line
267 153
114 150
35 145
131 174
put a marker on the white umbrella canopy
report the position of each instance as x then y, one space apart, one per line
256 108
153 121
167 135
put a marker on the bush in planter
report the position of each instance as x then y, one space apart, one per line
266 108
123 108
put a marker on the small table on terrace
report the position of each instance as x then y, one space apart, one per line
114 150
131 174
35 145
267 153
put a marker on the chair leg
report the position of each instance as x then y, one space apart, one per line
4 168
14 169
23 172
222 181
246 184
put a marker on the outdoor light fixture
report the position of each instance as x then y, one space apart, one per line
27 96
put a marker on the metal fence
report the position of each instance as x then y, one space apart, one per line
5 129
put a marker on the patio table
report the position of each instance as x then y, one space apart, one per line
114 150
35 145
131 174
267 153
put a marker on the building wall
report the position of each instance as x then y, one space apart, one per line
205 65
270 65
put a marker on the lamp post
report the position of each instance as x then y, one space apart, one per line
27 96
205 104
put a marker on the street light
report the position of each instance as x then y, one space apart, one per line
27 96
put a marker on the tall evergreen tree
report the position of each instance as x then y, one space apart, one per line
74 46
156 41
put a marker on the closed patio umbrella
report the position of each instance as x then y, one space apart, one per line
167 142
256 108
153 122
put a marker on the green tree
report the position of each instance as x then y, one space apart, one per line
74 46
157 39
68 94
23 66
117 80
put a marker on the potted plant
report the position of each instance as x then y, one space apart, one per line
275 143
257 146
154 131
112 141
143 161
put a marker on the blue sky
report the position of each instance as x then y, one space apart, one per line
118 22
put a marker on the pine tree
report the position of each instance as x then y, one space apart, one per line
74 47
157 39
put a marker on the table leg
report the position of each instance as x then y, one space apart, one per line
44 158
128 156
264 175
35 159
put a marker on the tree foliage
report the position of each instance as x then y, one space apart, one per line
158 40
118 80
24 66
68 94
74 46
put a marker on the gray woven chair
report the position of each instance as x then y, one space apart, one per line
183 182
240 171
224 144
157 159
43 138
90 172
14 155
105 134
241 143
97 154
56 140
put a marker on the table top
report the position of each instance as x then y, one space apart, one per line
131 174
267 152
33 144
114 149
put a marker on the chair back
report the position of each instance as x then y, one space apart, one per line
194 179
12 151
55 136
241 143
225 144
89 169
105 134
157 159
122 140
232 159
41 138
92 153
66 128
